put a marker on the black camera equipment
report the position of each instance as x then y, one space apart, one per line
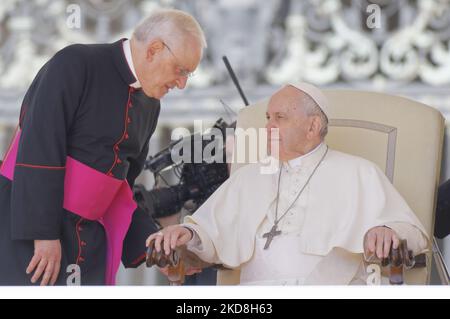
197 179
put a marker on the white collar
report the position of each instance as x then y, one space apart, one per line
129 57
296 162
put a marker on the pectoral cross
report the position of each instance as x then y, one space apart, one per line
270 235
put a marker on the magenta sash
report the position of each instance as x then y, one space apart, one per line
94 196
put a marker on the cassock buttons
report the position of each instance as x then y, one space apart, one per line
119 161
110 174
81 259
83 243
126 136
132 89
116 147
128 120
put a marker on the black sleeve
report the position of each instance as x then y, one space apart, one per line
48 109
442 223
142 224
137 165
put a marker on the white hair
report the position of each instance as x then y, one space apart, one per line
311 108
169 24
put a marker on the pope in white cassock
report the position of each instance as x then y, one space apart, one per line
312 221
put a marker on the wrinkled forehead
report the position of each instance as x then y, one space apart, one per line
286 100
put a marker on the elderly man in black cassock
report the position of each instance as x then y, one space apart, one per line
82 139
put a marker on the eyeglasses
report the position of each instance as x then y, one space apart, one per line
181 71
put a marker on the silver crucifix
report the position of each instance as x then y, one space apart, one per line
270 235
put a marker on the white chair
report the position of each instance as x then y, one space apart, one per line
403 137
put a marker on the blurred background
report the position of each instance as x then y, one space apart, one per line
400 47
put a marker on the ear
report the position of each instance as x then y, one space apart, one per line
153 48
314 127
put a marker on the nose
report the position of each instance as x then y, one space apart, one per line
181 82
270 125
272 130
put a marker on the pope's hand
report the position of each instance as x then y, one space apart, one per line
171 237
379 240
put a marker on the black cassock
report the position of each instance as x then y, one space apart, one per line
80 105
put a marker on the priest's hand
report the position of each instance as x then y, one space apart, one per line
46 261
379 240
171 237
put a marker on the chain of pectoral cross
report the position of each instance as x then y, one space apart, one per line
273 231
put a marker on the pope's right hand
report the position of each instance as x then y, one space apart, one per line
170 237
